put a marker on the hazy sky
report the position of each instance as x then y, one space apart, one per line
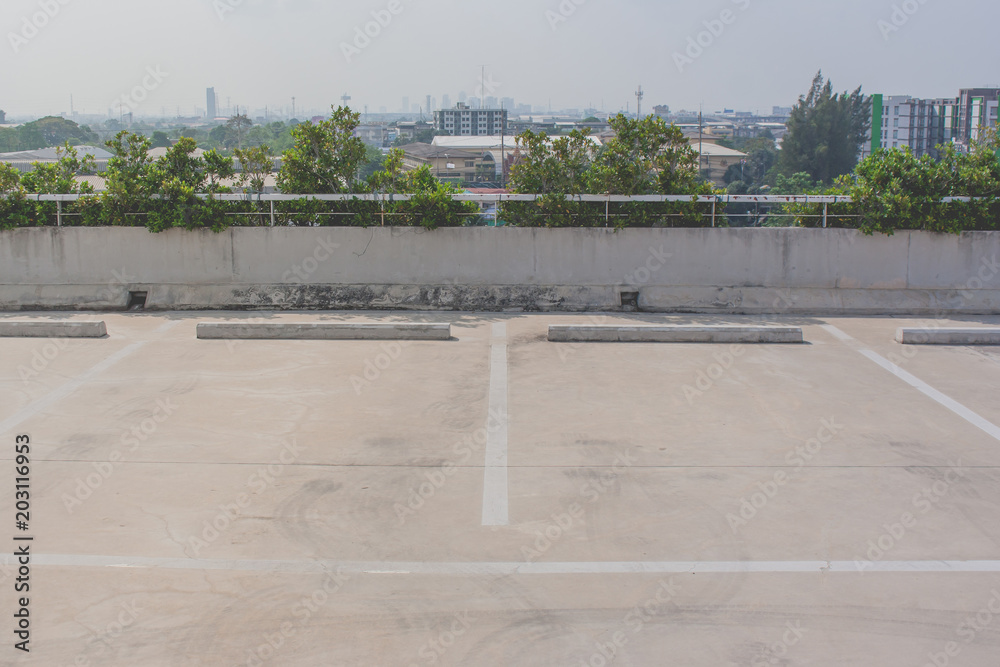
263 52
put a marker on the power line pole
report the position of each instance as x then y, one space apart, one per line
700 142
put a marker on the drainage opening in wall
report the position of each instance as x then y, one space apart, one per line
630 301
137 300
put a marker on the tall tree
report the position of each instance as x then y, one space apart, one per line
239 124
326 157
825 132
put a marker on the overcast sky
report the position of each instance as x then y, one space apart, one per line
260 53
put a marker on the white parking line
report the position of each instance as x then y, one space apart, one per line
915 382
523 568
495 489
65 390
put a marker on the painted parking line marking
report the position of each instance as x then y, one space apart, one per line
495 488
918 384
519 567
65 390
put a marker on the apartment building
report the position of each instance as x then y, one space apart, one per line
463 121
902 121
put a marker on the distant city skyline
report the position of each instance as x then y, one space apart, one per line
741 54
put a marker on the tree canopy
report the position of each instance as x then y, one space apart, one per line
825 132
644 157
45 133
326 157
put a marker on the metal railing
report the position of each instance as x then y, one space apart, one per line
717 202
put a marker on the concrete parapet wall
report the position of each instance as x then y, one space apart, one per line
508 269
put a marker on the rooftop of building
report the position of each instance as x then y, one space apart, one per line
487 142
53 154
728 493
430 152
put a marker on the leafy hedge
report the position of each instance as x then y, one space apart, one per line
645 157
164 193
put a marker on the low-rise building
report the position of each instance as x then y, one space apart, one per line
501 149
24 161
450 164
373 134
408 129
715 160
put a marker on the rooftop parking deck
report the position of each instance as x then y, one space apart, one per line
499 499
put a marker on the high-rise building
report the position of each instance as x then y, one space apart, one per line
463 121
212 101
901 121
446 101
977 110
3 116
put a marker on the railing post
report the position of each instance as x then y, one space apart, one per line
272 213
826 210
58 213
607 211
381 204
713 211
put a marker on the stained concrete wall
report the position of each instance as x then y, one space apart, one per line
691 270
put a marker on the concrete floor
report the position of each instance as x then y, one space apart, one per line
667 504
